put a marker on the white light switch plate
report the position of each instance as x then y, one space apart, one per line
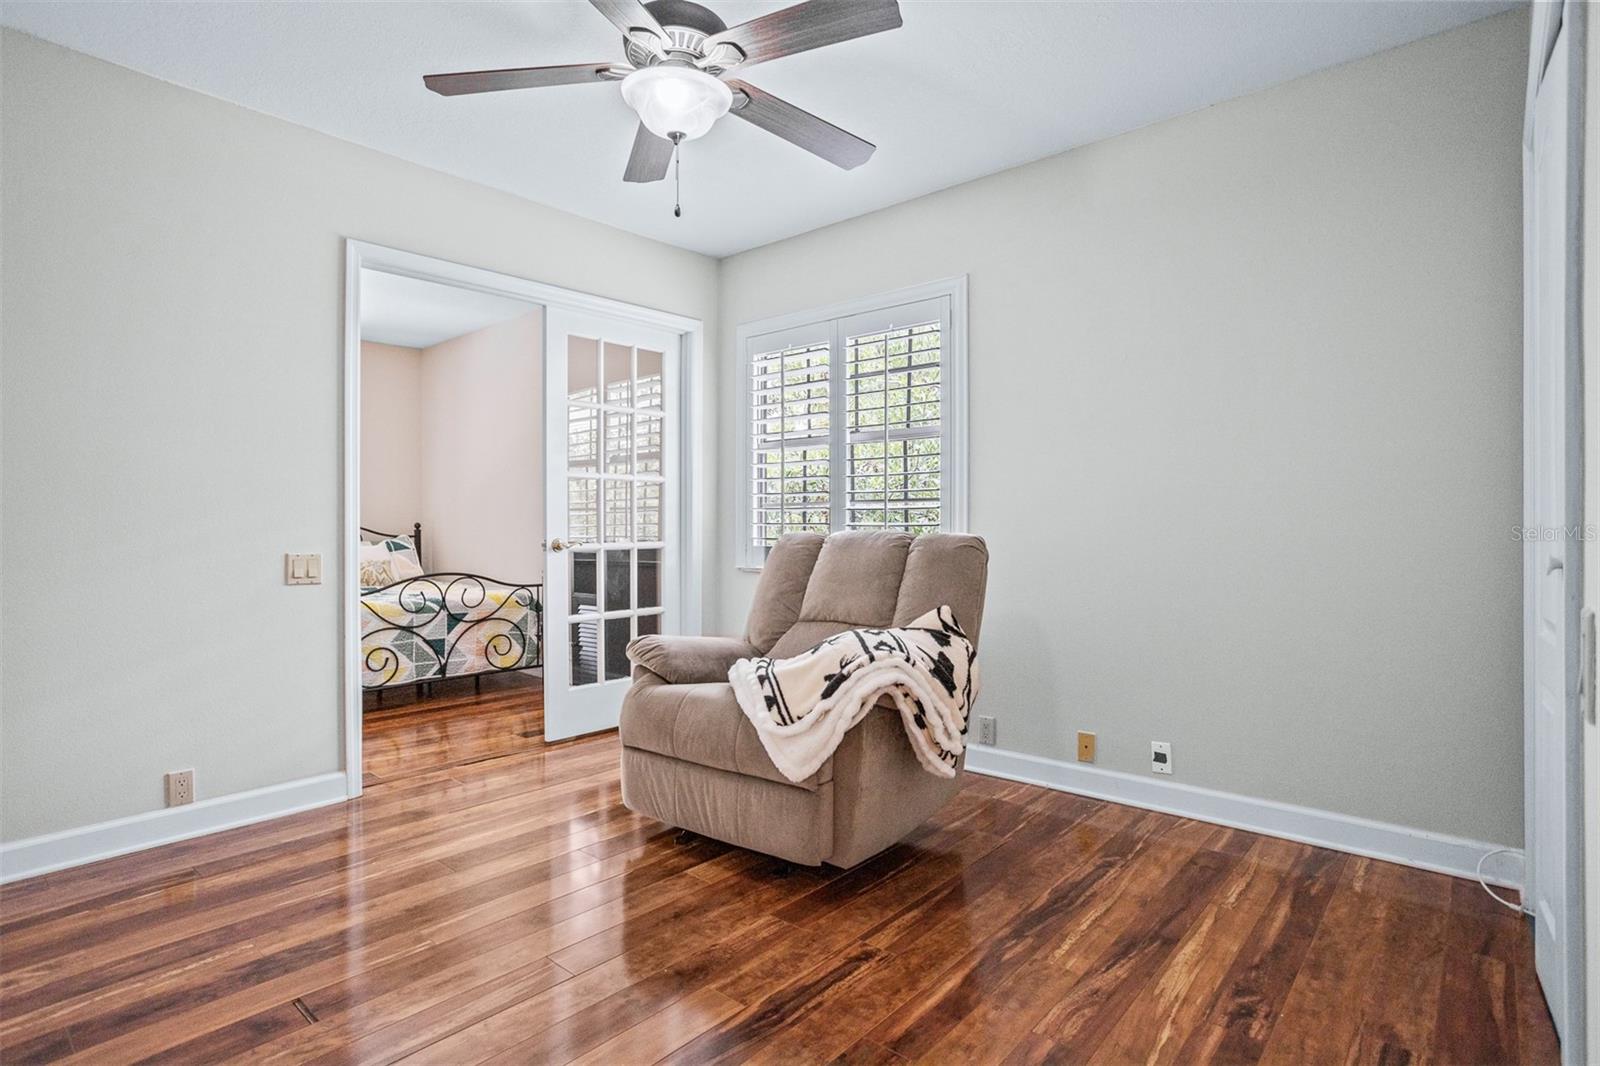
302 569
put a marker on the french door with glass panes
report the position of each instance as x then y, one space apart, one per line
611 509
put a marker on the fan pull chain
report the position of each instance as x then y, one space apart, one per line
677 175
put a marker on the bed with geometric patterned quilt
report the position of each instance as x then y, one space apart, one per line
422 627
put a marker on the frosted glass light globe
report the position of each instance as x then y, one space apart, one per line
676 100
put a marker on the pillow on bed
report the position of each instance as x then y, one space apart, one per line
403 559
376 573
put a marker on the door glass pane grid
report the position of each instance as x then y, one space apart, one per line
583 439
616 446
583 370
600 616
583 510
584 620
618 369
619 442
650 384
648 433
648 580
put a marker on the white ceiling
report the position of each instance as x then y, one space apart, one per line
964 88
420 314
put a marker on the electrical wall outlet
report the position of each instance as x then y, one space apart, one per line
180 788
1160 757
986 730
1085 746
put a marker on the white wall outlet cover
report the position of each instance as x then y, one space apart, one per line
986 730
1160 757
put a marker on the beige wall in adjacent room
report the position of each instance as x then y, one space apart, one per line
1245 433
482 461
172 277
452 437
391 438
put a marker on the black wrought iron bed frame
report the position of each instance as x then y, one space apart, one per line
470 591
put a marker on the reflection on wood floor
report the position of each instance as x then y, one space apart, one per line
490 899
450 723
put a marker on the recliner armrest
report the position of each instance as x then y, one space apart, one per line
689 660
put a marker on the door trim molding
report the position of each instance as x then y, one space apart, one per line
359 255
1549 22
1425 850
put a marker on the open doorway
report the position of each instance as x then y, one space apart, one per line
519 489
451 498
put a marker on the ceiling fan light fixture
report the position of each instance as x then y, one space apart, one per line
676 102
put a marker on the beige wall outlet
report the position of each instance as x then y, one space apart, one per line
180 788
1085 746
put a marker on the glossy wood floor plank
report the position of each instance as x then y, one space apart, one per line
408 734
489 899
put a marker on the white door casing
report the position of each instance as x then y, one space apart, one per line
1553 556
686 591
613 497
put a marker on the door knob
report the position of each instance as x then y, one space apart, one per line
1553 564
559 545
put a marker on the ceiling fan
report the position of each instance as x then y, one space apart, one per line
679 56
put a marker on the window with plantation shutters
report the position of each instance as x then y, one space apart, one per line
893 429
854 420
791 460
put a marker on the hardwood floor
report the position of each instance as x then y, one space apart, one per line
458 723
490 900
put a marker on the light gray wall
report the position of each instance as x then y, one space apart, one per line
172 271
1245 423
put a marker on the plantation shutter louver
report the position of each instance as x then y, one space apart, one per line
791 453
894 427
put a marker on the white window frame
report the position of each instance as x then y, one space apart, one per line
816 324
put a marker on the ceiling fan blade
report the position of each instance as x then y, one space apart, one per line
629 15
812 24
815 135
650 157
493 81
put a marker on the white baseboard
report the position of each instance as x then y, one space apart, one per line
1341 832
74 847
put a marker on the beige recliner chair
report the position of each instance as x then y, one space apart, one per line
690 757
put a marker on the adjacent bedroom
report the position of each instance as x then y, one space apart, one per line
451 557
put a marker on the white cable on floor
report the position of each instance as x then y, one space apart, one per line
1497 897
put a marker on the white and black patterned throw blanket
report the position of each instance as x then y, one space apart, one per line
803 706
